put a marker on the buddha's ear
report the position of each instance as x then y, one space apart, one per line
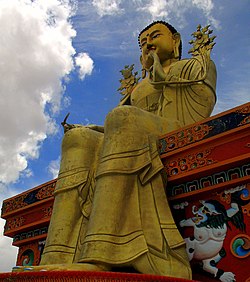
177 42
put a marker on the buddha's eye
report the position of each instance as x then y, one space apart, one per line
143 43
156 35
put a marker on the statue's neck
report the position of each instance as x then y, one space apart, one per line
166 64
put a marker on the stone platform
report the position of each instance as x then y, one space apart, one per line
84 276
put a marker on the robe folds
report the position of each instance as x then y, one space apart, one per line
129 178
112 185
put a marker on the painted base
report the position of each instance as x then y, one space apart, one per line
85 276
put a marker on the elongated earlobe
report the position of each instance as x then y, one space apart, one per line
177 40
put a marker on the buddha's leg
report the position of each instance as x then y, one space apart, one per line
136 225
136 229
171 265
171 259
80 149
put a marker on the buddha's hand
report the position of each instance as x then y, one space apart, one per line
156 72
67 126
95 127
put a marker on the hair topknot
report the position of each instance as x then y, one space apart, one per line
169 26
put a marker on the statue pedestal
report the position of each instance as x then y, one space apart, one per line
207 162
84 276
208 171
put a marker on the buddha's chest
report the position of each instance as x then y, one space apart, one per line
146 97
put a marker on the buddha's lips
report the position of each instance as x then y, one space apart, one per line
150 50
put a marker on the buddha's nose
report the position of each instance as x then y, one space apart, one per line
149 46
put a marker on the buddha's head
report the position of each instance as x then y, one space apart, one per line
162 38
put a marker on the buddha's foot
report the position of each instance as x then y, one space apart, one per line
62 267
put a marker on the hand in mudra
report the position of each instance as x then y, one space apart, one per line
156 72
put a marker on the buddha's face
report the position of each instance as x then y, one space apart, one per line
159 39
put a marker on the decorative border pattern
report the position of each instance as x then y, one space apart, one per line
30 234
189 162
28 198
30 254
33 215
14 223
205 130
239 246
47 211
86 276
208 181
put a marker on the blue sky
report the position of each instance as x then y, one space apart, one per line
65 56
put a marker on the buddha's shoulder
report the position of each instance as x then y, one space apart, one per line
179 65
189 62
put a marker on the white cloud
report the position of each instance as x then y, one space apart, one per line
66 101
236 96
85 64
54 167
177 9
157 8
107 7
8 253
207 7
36 55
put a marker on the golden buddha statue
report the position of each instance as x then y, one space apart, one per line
110 208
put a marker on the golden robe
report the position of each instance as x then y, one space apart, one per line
110 202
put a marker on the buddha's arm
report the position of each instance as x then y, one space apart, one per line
158 77
194 88
67 126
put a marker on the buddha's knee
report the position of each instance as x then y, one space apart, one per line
80 137
74 153
121 116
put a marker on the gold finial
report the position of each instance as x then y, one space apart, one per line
202 43
129 80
